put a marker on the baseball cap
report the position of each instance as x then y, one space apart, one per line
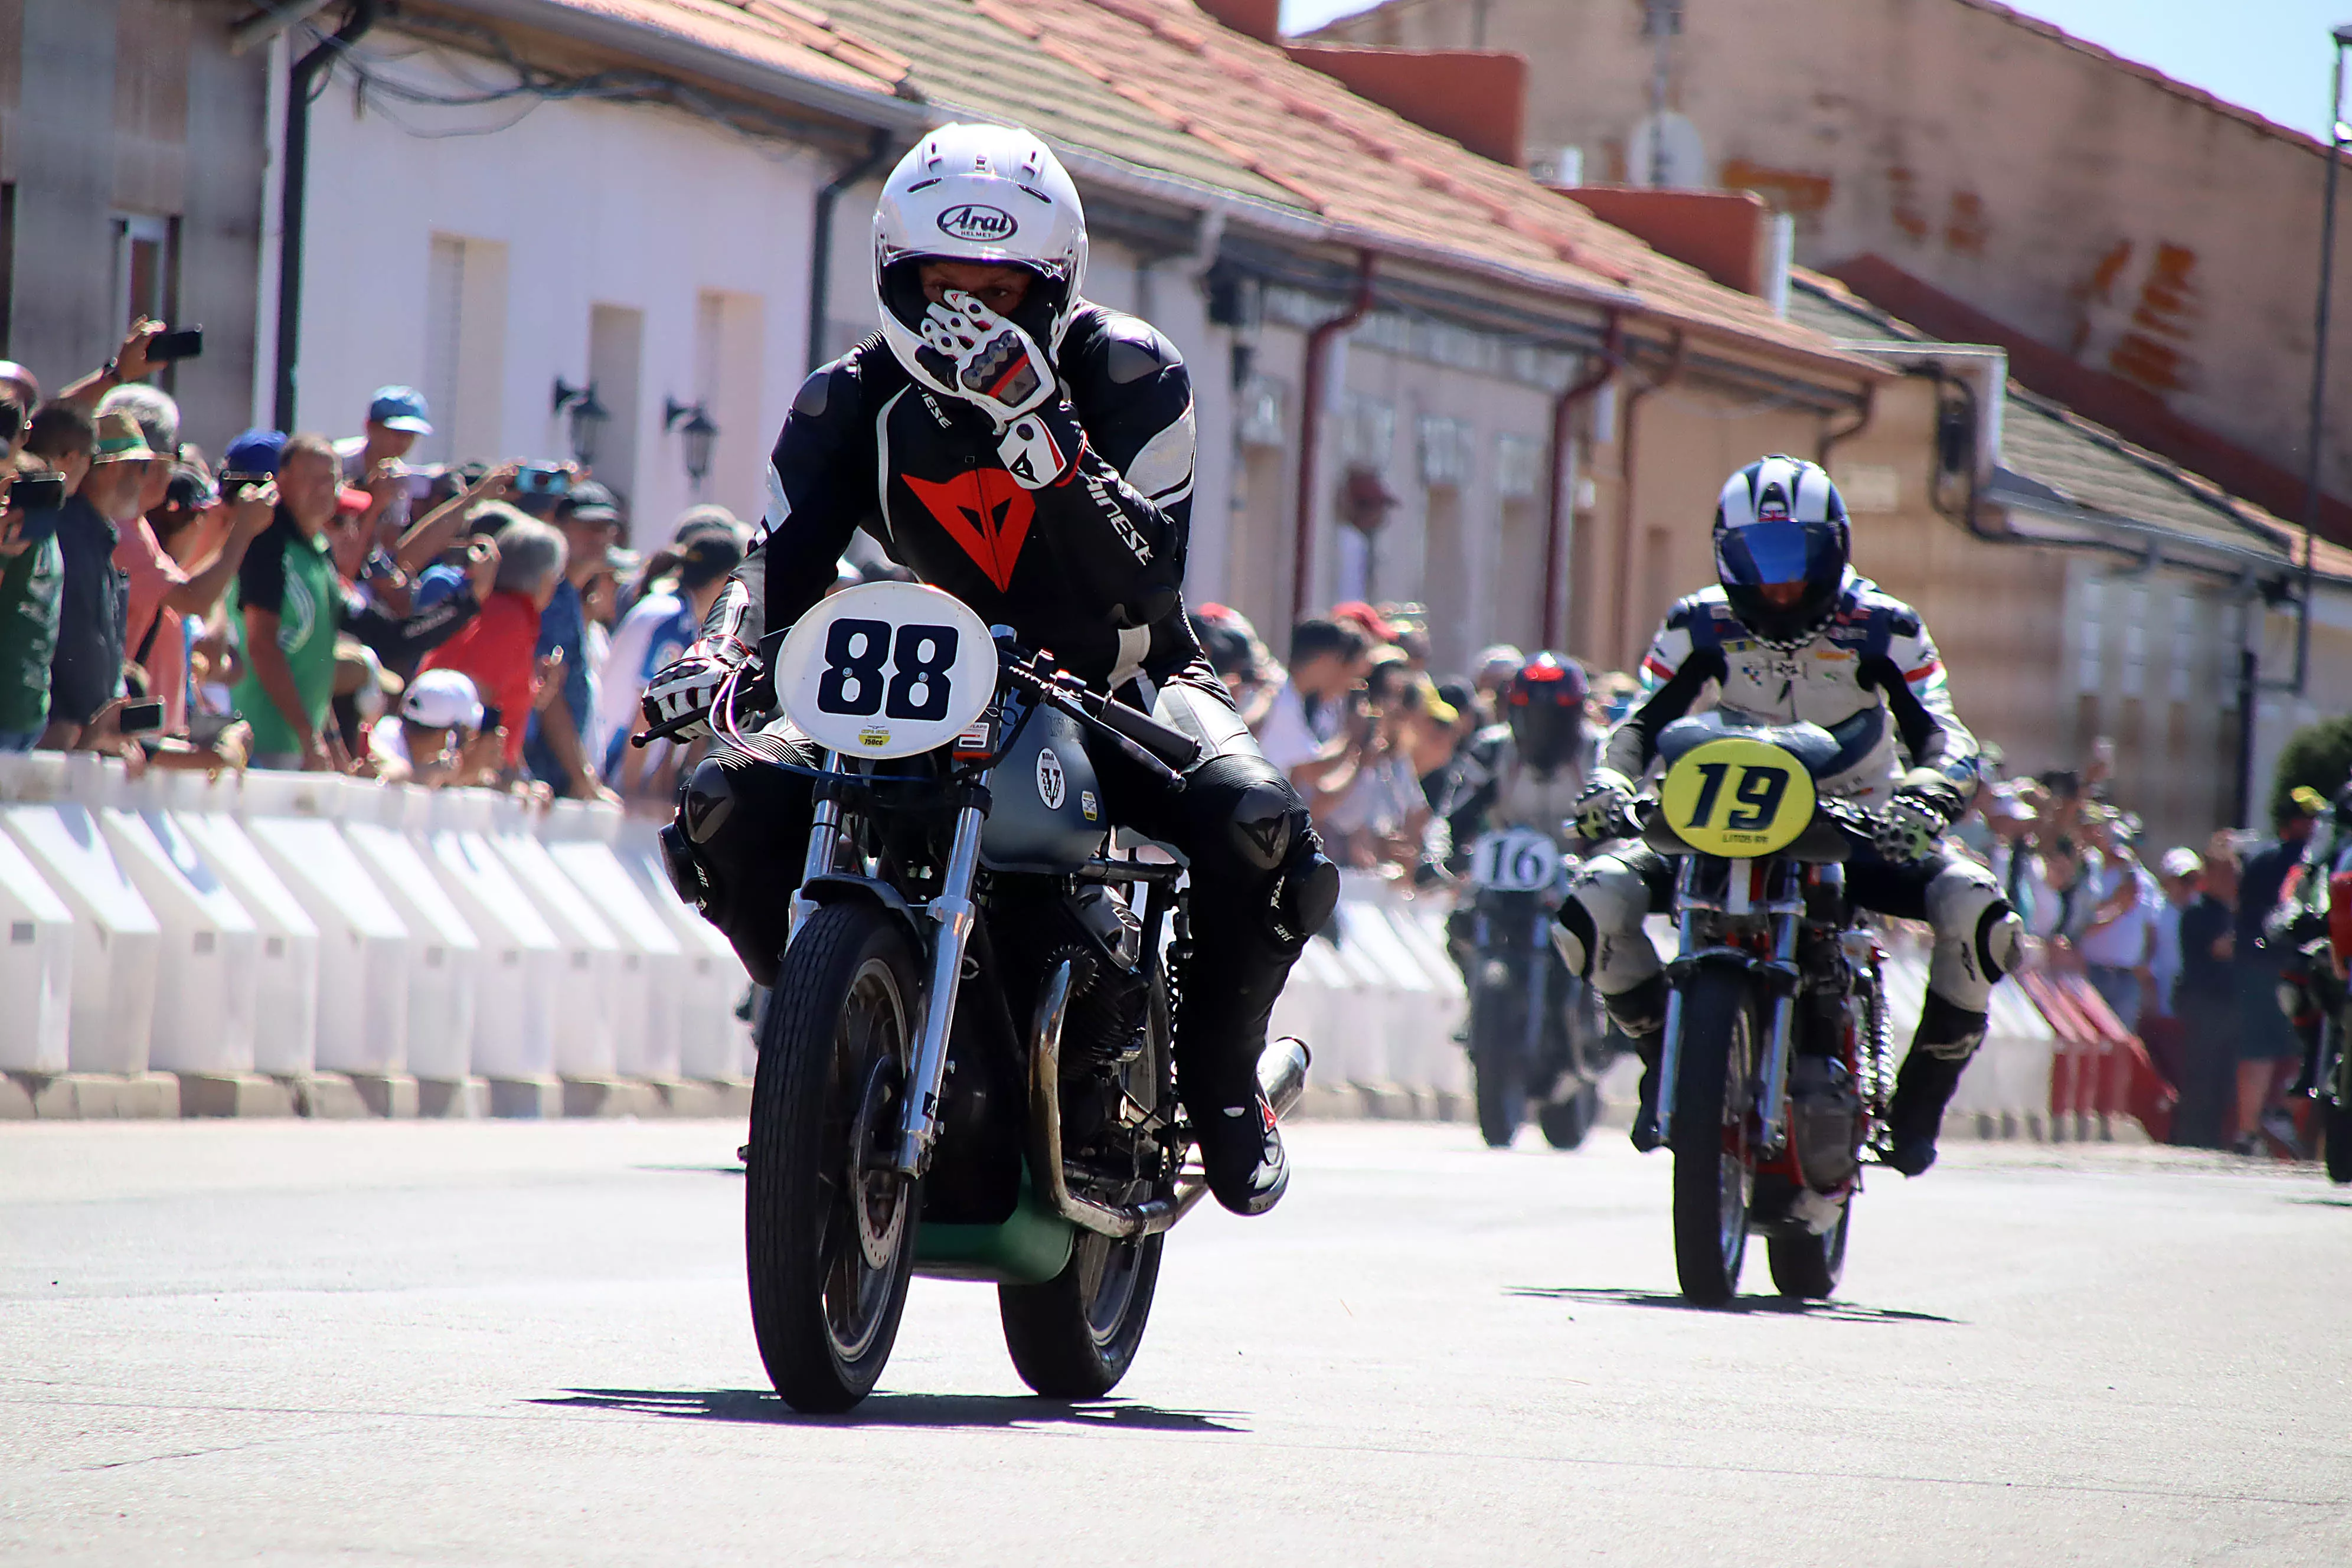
588 501
400 408
441 698
707 554
2181 862
189 488
120 440
1375 625
255 452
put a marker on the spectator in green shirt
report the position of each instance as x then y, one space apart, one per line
289 607
32 578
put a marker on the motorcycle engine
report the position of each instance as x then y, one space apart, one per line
1825 1120
1110 999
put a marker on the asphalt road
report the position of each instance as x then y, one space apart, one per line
527 1343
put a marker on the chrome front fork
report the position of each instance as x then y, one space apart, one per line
955 912
824 846
1779 1038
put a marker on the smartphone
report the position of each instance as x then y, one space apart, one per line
233 486
184 342
542 480
141 718
492 717
38 492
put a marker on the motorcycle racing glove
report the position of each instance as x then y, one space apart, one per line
1905 831
1605 809
1931 792
1003 373
687 687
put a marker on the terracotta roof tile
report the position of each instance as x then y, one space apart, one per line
783 34
2085 463
1361 166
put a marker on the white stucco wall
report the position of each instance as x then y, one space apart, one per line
641 207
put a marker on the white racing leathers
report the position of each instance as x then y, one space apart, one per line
1870 675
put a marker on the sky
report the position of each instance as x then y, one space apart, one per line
2274 57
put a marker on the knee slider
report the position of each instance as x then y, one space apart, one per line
1999 934
1573 936
1303 893
1262 816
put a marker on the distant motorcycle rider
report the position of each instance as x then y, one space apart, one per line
1791 633
1030 452
1529 769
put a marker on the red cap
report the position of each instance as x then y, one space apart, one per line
1365 616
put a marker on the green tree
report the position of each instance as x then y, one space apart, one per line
2318 754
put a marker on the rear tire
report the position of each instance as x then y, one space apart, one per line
828 1227
1565 1122
1808 1267
1075 1336
1713 1174
1497 1064
2337 1122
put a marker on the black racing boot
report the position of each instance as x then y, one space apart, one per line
1641 1016
1241 1150
1948 1037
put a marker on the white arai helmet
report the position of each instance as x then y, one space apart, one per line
978 192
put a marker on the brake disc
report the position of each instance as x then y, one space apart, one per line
877 1192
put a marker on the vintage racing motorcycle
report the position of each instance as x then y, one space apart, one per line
1536 1033
964 1070
1777 1061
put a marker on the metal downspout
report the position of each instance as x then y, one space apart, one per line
1563 413
1626 452
1310 430
306 70
1832 439
878 152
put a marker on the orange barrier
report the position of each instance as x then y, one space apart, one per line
2100 1068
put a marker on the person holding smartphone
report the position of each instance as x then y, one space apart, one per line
32 579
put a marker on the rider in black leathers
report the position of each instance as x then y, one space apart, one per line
1065 520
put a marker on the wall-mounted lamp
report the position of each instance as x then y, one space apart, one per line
588 418
696 430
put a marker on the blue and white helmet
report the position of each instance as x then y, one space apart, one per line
1781 543
978 192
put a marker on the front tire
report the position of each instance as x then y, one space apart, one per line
1498 1061
1714 1170
1565 1122
1075 1336
828 1224
1808 1267
2336 1121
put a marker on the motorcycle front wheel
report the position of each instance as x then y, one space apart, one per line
828 1222
1498 1064
1714 1167
1565 1122
1075 1336
1808 1267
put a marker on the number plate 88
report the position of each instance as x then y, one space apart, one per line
886 669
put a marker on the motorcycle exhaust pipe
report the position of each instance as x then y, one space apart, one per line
1282 1073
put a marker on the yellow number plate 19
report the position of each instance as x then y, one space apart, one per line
1737 798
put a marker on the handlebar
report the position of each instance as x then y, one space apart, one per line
1160 750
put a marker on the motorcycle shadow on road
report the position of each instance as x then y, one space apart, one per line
1777 1306
969 1412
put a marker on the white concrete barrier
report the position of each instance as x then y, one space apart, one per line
593 868
600 996
445 955
35 967
714 1045
118 942
285 989
515 1009
209 967
363 945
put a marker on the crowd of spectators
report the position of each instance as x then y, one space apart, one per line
2177 949
301 602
